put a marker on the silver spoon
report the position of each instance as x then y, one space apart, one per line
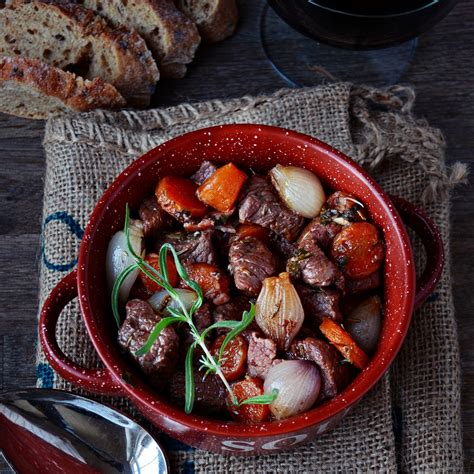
54 431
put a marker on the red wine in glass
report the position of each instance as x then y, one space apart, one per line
363 25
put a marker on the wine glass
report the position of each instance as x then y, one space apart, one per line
369 41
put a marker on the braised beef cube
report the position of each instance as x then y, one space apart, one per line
261 205
334 373
154 218
250 263
192 248
343 208
214 220
358 287
311 264
322 234
206 170
281 246
139 322
262 352
319 303
210 392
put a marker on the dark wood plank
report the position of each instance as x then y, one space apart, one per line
442 74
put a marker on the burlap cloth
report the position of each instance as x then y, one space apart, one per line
411 420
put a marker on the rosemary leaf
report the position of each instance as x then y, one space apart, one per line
264 399
189 380
218 325
206 364
126 229
164 323
164 263
174 312
247 318
116 290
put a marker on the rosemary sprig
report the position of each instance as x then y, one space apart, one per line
184 316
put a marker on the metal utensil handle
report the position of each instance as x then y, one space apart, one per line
430 237
94 380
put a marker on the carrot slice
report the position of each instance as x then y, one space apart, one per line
177 196
253 230
234 358
222 188
212 280
153 259
358 250
247 388
344 343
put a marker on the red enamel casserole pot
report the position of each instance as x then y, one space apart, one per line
260 148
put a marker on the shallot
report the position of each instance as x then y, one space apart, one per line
278 310
299 189
364 323
298 383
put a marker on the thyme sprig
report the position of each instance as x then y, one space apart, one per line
184 315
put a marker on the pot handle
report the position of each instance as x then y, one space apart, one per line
429 234
94 380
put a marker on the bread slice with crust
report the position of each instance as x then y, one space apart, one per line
30 88
215 19
172 37
74 38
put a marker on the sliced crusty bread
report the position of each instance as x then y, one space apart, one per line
33 89
215 19
172 37
75 38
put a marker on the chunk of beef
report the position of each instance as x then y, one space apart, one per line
210 392
206 170
319 303
154 218
343 208
335 375
139 322
261 205
214 220
311 264
192 248
232 311
250 263
322 234
358 287
281 246
261 354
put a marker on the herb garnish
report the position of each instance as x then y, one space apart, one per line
183 315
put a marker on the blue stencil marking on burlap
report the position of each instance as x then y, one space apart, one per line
73 227
45 373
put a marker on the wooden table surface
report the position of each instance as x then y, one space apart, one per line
442 72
